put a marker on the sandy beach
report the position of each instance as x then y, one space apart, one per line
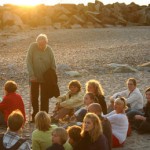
87 51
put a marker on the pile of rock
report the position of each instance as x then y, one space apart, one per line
94 15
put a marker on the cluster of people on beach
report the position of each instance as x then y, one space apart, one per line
80 120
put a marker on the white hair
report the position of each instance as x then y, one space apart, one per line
41 37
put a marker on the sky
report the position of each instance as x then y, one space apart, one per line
53 2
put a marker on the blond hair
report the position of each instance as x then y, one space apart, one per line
97 86
97 130
42 121
62 133
121 101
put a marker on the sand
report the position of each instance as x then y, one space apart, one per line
87 51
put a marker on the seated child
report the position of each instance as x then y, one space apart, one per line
11 139
59 138
11 101
69 102
74 136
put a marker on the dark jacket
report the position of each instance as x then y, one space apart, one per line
107 131
100 144
101 100
147 112
56 147
50 78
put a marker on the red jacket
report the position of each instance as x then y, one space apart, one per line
11 102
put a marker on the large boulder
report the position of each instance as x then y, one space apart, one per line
10 19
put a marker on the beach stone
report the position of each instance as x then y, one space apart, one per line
144 67
121 68
145 64
76 26
10 19
73 73
63 67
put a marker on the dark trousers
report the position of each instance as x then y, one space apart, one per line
2 120
39 90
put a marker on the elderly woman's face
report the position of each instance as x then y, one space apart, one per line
42 44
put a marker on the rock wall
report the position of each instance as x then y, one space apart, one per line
94 15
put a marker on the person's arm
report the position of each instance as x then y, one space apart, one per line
111 113
3 104
72 101
30 63
122 94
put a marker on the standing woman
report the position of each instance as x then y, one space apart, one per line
119 122
40 59
92 134
93 86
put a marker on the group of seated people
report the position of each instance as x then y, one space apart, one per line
78 122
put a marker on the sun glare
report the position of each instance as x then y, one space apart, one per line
53 2
25 2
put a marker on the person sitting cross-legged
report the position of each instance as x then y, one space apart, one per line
12 139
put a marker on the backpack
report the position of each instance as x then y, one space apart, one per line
14 147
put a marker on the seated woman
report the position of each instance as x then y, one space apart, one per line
41 137
78 116
93 86
92 137
141 121
119 122
107 131
132 94
73 99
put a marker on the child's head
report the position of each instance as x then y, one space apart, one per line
89 98
95 108
74 134
147 93
74 86
93 86
59 136
15 121
42 121
10 86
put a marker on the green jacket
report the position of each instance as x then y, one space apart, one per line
42 140
72 102
38 61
